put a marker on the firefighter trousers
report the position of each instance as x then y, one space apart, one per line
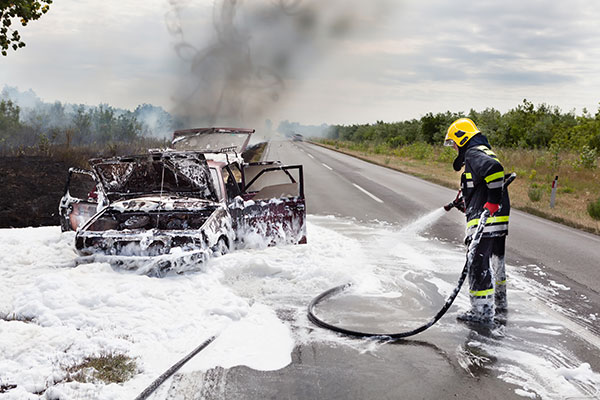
487 273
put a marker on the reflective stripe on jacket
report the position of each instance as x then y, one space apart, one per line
482 182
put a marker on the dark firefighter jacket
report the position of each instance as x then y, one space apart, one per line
481 182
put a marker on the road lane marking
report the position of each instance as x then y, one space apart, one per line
327 166
310 155
368 194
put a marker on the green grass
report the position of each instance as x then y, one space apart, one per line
594 209
107 368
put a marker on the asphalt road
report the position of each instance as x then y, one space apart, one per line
427 367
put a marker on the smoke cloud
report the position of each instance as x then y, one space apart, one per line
235 73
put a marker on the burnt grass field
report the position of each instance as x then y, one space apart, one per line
31 188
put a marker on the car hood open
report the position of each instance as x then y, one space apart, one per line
164 173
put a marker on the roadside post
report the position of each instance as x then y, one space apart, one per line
553 194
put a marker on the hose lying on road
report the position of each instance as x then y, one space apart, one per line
508 178
160 380
338 289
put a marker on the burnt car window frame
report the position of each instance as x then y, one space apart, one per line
70 207
283 168
217 179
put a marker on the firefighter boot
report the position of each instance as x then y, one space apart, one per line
482 310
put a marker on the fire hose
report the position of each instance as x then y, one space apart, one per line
472 249
338 289
174 368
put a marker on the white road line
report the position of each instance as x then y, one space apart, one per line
368 194
310 155
327 166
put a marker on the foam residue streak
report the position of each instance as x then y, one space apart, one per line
54 314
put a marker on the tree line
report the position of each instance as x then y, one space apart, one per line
525 126
45 124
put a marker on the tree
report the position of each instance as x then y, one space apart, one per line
9 115
24 11
9 122
82 123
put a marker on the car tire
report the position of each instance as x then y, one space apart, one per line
221 248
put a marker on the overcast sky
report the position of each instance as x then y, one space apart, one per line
339 61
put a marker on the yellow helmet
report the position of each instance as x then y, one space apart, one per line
460 132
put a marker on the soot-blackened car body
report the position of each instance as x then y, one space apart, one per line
169 209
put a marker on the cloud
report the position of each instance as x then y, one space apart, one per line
512 43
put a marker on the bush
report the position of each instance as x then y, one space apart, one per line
359 146
532 175
448 154
44 145
540 162
555 151
593 209
587 157
566 189
419 151
520 171
381 149
534 193
396 141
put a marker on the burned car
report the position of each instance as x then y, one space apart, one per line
171 209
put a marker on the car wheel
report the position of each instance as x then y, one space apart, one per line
221 247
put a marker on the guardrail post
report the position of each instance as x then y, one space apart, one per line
553 194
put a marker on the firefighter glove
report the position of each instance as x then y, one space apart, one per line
492 207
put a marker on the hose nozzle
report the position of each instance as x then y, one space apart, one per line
458 202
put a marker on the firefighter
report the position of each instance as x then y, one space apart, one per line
482 187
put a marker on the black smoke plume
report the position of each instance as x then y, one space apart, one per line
236 76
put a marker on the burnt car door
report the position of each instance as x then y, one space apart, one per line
80 199
273 206
232 180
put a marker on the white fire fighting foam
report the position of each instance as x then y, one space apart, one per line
53 315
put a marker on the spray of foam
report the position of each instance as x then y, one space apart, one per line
423 222
395 242
236 74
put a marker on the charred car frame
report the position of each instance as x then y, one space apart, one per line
169 209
